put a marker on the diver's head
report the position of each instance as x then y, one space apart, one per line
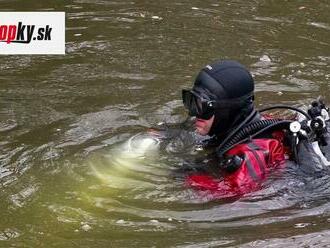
222 96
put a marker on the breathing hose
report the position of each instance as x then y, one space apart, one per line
287 107
250 131
232 133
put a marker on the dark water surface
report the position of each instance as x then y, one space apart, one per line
68 176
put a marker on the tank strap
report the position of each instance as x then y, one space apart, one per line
251 170
253 147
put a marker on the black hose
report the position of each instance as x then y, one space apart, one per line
232 138
250 131
231 134
287 107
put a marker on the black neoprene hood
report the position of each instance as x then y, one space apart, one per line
230 81
226 79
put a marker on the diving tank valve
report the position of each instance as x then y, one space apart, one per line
319 113
295 127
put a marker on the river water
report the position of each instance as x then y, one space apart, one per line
68 175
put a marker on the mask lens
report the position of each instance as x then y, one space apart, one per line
186 98
196 106
190 102
199 105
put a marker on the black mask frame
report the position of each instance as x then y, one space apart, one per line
205 108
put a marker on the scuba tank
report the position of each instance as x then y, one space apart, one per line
314 138
309 137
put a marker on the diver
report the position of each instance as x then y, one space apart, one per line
249 145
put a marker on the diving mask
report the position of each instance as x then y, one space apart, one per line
197 106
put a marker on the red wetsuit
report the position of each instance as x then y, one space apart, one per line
258 158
